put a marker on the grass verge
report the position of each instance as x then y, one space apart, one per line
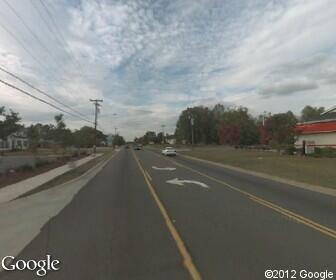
70 175
315 171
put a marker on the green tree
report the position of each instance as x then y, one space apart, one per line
310 113
9 123
118 140
84 137
150 136
159 138
34 136
281 128
198 119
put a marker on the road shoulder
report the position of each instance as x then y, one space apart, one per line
314 188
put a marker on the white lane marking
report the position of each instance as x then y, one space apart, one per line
164 168
178 182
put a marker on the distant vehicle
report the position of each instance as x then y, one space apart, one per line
137 147
169 151
127 147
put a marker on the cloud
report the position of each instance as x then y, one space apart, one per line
150 60
287 88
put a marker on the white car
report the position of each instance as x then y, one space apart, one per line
169 151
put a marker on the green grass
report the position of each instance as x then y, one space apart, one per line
316 171
66 177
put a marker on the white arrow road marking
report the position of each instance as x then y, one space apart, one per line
176 181
164 168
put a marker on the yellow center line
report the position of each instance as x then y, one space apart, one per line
148 176
187 259
303 220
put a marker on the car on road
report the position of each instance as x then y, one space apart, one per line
169 151
137 147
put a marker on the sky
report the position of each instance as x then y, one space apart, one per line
148 60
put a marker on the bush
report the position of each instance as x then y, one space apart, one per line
290 150
41 163
26 168
324 152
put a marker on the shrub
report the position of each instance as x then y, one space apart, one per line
290 150
324 152
26 168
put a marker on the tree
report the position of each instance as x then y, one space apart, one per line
310 113
159 138
34 136
118 140
281 128
9 123
203 125
237 127
84 137
60 133
150 136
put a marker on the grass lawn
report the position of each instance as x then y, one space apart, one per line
76 172
316 171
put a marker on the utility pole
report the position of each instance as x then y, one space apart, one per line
97 105
192 130
163 139
115 131
191 118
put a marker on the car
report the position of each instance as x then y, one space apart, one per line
169 151
127 147
137 147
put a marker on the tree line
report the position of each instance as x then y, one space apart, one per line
228 125
56 133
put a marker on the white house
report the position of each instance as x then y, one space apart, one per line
15 141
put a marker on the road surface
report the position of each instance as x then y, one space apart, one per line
185 219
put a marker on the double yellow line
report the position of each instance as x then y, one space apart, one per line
298 218
187 260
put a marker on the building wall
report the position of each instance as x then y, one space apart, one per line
316 140
14 143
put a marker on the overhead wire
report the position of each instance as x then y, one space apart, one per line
22 45
39 90
59 34
31 31
42 100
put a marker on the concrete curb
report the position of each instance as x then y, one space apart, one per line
306 186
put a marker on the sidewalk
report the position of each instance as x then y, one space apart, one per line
22 219
15 190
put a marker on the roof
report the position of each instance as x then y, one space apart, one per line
323 126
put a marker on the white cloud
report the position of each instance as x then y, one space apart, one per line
149 60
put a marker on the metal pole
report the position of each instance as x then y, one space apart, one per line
163 139
192 130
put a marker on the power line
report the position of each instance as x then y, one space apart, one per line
46 23
41 100
31 31
40 91
53 21
21 44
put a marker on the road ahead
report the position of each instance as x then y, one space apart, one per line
206 222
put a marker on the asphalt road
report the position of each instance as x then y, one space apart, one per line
130 223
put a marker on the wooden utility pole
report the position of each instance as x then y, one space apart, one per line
97 105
